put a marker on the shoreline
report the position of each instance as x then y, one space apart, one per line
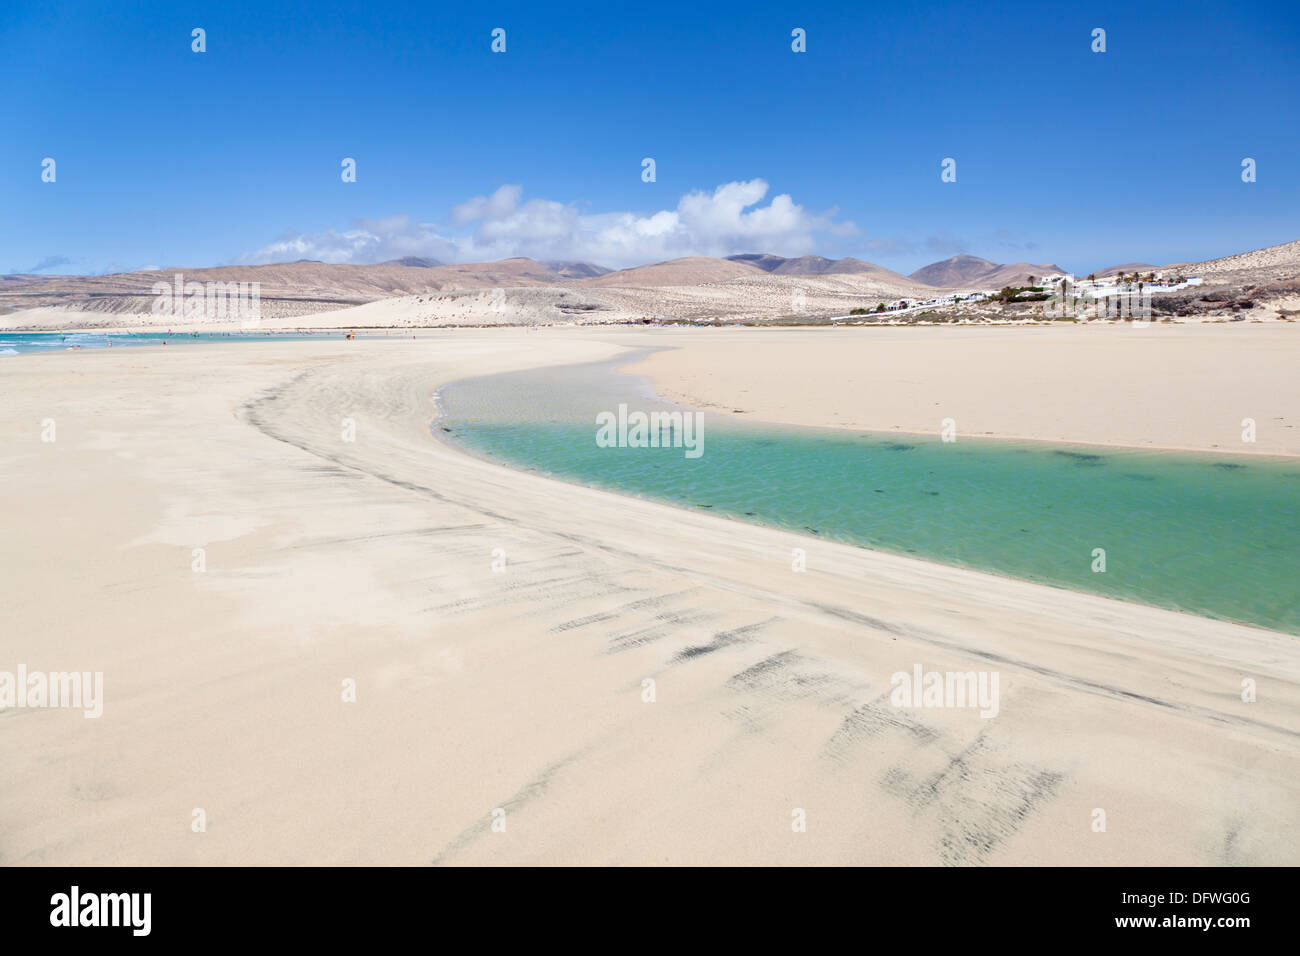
622 366
1191 451
1177 389
902 556
667 387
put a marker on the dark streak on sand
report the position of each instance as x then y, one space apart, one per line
526 794
721 639
980 800
872 719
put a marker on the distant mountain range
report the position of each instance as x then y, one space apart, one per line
810 265
415 262
961 271
565 270
745 284
955 273
411 274
818 266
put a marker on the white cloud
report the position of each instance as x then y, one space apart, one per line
728 220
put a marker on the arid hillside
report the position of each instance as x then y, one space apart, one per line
758 287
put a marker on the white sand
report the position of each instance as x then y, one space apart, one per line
522 690
1162 386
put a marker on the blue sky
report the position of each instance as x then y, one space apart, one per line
166 157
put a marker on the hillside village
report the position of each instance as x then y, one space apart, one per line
1058 284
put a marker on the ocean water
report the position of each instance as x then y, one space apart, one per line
1210 535
26 343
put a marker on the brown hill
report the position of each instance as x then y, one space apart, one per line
1270 264
577 270
1126 268
507 272
819 266
967 272
765 261
958 271
691 270
1018 273
288 288
851 266
418 261
805 266
780 265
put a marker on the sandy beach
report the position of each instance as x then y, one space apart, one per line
328 560
1158 386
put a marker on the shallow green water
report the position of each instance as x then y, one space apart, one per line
1214 536
36 343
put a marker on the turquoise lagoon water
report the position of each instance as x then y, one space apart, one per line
1211 535
24 343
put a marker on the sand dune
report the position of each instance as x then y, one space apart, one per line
553 305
